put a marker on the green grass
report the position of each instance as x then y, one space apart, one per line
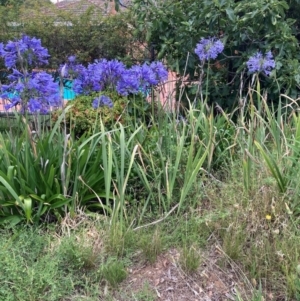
71 260
187 196
74 259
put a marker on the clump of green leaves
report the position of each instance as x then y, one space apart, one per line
92 35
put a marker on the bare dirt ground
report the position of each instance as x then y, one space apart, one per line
169 282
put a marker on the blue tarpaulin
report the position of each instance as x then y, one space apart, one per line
69 94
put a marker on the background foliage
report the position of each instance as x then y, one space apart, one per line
175 27
88 36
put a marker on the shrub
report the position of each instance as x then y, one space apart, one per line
107 36
82 118
175 27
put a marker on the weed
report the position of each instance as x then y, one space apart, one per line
190 259
186 231
151 246
119 240
28 270
233 242
79 254
145 294
114 272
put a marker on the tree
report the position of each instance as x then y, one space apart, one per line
245 27
64 34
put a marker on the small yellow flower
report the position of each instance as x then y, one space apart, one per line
268 217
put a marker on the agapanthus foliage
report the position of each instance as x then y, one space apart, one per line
260 63
33 91
209 48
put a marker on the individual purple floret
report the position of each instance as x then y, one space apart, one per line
26 49
209 48
14 100
102 101
72 59
260 63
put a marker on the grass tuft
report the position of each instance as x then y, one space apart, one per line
190 259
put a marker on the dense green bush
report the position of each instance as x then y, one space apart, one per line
175 27
82 118
86 36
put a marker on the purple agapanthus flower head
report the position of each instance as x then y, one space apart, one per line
98 76
37 92
31 90
26 49
129 83
113 75
102 101
260 63
209 48
139 78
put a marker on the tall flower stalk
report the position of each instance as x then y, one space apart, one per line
206 50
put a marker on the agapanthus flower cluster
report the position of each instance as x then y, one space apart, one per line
102 101
25 50
33 91
98 76
140 78
260 63
209 48
113 75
